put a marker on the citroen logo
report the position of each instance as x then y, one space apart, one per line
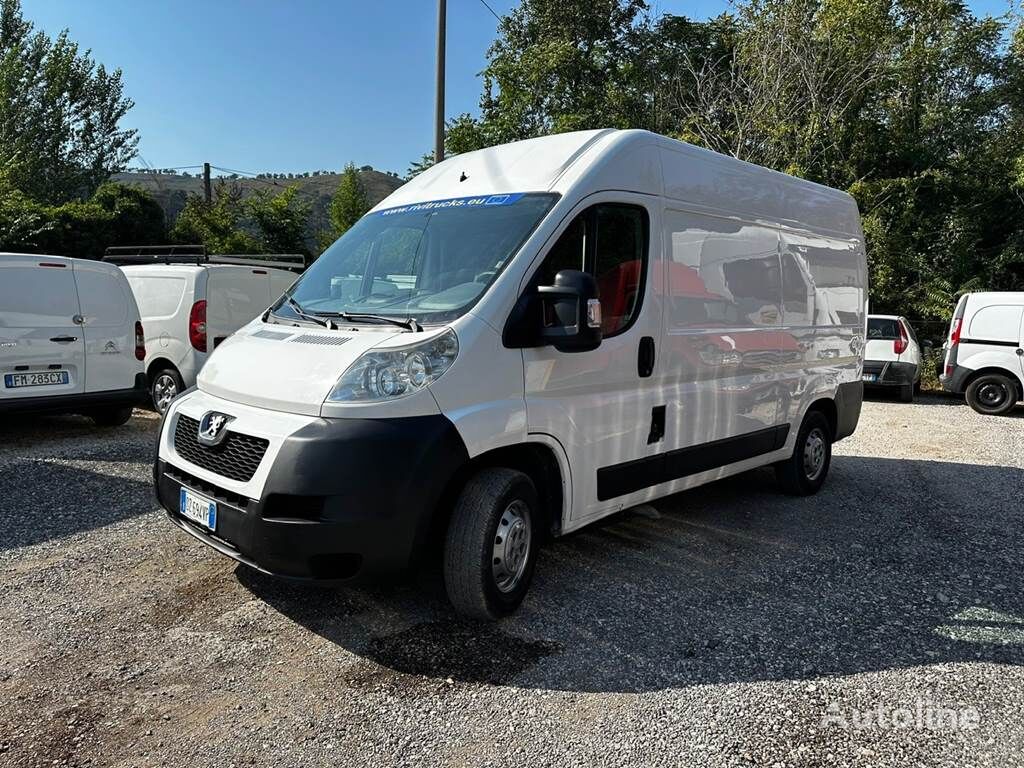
211 428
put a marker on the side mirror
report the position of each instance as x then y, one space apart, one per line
570 312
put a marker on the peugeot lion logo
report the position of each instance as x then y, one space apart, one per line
211 428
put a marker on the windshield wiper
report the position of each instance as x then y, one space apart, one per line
298 310
354 317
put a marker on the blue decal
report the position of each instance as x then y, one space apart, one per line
455 202
211 517
182 502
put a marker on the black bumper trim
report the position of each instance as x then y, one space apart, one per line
891 373
849 400
83 402
376 483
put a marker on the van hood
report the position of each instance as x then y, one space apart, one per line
283 367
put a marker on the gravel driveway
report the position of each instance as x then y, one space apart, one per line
878 623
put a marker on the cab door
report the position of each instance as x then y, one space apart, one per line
42 349
604 406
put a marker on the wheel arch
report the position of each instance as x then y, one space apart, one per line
158 364
537 459
999 370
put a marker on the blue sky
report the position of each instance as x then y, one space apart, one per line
264 85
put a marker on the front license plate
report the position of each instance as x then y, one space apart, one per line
870 378
198 509
42 379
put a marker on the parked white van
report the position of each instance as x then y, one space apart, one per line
892 355
70 338
985 351
518 342
190 304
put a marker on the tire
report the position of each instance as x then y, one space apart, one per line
992 394
165 385
112 417
803 473
494 523
907 392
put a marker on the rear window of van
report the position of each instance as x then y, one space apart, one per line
883 328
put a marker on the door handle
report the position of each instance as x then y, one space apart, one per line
645 357
64 339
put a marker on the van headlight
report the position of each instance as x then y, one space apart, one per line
389 373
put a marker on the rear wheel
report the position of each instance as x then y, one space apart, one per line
992 394
490 548
805 471
165 385
111 417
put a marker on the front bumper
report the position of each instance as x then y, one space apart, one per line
343 499
890 373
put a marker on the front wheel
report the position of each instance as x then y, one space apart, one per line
803 473
490 548
992 394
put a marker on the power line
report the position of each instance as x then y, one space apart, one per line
485 5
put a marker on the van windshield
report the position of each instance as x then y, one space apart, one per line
428 261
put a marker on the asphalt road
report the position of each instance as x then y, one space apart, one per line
878 623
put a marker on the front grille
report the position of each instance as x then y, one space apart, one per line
236 458
207 489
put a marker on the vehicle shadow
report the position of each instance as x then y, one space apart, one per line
896 563
63 475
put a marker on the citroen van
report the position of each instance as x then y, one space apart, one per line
190 304
984 358
516 343
71 340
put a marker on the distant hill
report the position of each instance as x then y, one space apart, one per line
172 189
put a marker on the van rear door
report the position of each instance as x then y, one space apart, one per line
42 350
109 315
234 296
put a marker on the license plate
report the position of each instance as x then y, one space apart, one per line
198 509
871 378
42 379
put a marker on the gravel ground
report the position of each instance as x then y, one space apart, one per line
878 623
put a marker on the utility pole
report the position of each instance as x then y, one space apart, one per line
439 110
207 189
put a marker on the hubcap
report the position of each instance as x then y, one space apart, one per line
511 546
991 395
164 390
814 453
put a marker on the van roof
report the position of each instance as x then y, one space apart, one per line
636 161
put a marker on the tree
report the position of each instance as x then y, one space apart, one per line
60 113
349 202
218 225
280 219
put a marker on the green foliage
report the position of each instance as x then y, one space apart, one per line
280 220
349 202
218 225
59 113
916 107
115 215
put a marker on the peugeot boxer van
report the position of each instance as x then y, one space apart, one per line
189 305
985 351
70 339
518 342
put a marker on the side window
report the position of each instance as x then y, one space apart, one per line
610 242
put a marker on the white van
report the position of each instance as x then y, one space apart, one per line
190 304
70 338
985 351
518 342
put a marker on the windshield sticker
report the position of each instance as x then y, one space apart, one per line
479 201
